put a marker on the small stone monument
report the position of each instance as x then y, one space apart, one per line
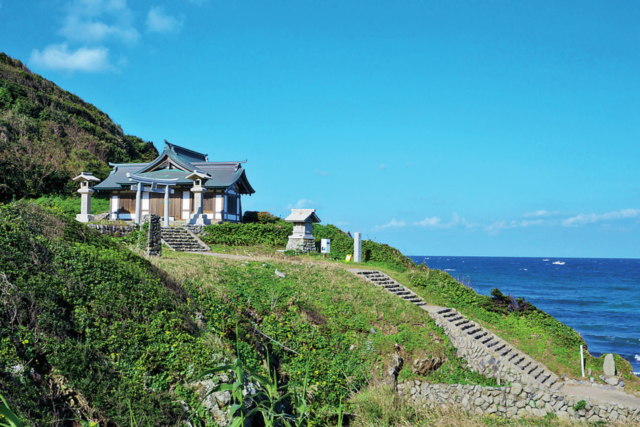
86 190
154 246
609 366
302 239
357 247
198 218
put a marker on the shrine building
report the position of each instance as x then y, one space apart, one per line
181 183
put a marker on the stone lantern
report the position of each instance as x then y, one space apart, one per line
86 190
302 238
198 218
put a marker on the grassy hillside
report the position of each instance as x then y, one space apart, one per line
48 135
90 330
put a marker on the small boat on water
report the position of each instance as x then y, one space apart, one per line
558 262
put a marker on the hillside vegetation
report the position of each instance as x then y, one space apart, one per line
48 136
90 330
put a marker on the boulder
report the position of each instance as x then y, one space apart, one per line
609 366
612 381
428 364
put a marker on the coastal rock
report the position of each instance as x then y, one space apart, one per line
609 366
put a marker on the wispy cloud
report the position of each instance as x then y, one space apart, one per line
98 21
392 224
497 226
382 166
59 57
87 26
582 219
90 31
158 21
540 213
323 173
435 222
306 204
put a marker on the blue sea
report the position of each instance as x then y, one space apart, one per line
599 298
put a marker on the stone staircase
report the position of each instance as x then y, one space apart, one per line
381 279
483 350
181 239
490 354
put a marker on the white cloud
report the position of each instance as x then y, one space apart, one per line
393 223
306 204
160 22
498 226
540 213
582 219
435 222
428 222
59 57
92 31
96 21
323 173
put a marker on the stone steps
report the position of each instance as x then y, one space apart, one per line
390 285
179 239
469 335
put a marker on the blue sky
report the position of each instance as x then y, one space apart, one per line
491 128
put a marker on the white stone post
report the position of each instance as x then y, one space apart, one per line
138 202
357 247
86 183
166 205
198 218
85 202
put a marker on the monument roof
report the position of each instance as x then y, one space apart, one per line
303 215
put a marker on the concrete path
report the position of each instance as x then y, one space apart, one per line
612 396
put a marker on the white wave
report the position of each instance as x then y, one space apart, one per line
637 357
449 269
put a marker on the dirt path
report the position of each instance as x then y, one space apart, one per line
226 256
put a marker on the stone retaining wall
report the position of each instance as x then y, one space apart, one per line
491 356
514 402
113 230
154 245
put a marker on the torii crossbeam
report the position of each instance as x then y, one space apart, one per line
154 183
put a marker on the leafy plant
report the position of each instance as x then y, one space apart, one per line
7 417
580 405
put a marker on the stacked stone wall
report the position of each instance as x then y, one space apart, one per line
113 230
515 401
301 245
491 356
154 245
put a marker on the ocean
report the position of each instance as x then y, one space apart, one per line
599 298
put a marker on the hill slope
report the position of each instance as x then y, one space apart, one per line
48 135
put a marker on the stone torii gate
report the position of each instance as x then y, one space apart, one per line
153 188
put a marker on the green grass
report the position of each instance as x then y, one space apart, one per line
318 310
71 204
